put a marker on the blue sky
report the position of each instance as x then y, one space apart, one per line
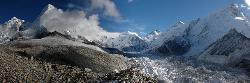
138 15
160 14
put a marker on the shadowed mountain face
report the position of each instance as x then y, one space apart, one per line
172 47
177 46
231 49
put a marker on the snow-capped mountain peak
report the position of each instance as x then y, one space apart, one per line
211 28
48 8
203 32
152 36
232 11
155 32
247 2
235 10
179 23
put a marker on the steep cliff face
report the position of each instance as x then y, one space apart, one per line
176 46
231 49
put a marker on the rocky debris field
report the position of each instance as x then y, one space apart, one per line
131 75
64 64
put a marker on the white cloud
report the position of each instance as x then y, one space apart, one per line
108 6
73 23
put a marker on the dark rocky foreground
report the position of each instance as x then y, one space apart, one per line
59 63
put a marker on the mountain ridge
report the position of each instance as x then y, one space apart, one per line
205 31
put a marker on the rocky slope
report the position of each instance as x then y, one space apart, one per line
72 55
21 63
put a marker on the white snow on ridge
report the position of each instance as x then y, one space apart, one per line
247 2
239 18
181 22
133 33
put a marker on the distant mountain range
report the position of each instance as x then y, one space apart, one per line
203 37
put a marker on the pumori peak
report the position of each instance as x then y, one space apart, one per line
48 8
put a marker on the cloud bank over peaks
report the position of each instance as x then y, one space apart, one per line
104 8
74 23
108 6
